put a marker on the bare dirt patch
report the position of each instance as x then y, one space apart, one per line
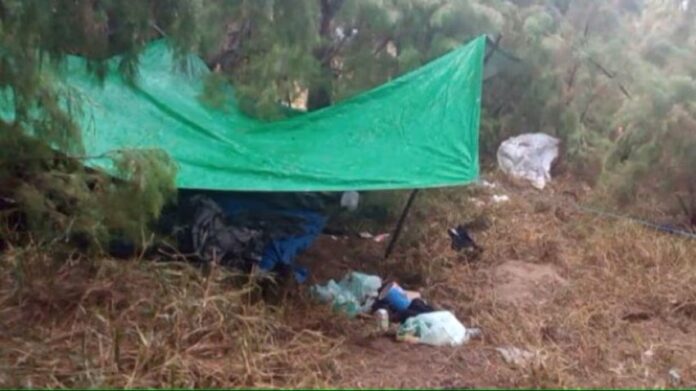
517 282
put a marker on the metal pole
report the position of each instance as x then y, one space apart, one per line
400 223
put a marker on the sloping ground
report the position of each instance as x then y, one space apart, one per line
599 303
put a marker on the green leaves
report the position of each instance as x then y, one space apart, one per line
57 197
538 25
282 51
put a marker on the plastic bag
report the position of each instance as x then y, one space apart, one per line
439 328
350 200
529 157
354 294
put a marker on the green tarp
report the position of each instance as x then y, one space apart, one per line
417 131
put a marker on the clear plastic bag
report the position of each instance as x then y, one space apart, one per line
440 328
354 294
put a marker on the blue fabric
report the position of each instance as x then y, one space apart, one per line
281 250
284 250
397 298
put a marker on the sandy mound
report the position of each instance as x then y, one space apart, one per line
517 282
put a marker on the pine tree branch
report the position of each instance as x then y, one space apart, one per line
383 44
493 47
610 75
571 82
231 56
497 49
329 9
595 94
69 157
158 29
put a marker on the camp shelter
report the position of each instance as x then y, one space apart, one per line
417 131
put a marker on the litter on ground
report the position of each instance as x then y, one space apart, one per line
354 294
377 238
440 328
488 184
500 198
674 376
516 356
461 239
477 202
419 322
529 157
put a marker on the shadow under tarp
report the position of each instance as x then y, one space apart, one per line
289 222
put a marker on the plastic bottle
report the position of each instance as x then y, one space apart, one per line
382 319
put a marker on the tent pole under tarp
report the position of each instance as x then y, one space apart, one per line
400 223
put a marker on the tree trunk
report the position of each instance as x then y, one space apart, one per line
319 95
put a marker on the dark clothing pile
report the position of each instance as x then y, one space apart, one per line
461 239
215 239
206 231
243 229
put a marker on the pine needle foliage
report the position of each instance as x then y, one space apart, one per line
50 195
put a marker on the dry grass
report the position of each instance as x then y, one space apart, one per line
145 324
625 317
